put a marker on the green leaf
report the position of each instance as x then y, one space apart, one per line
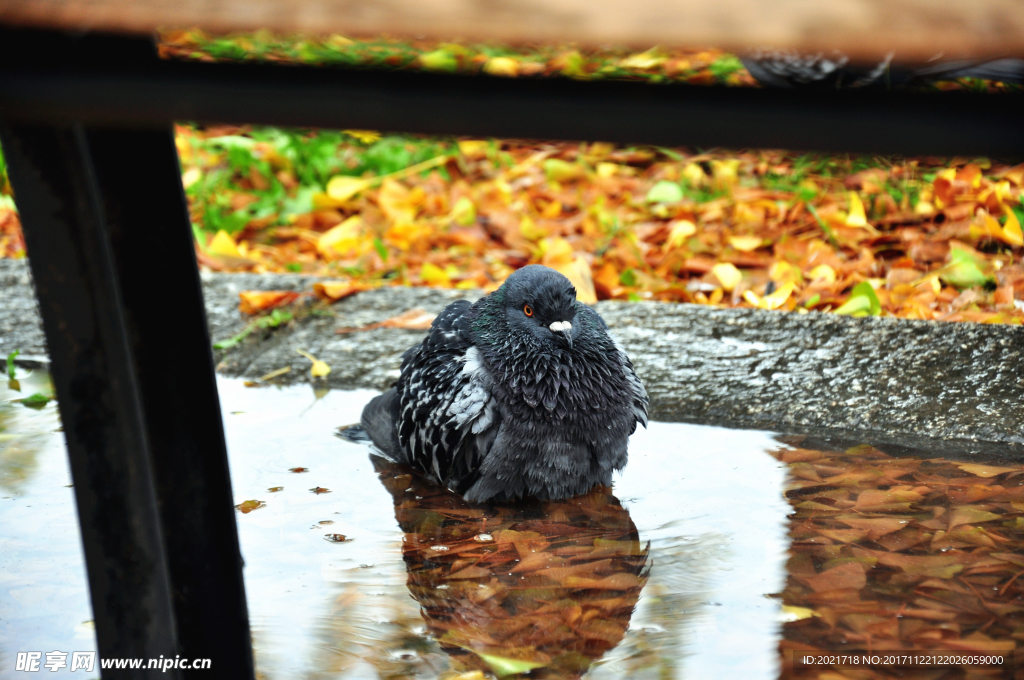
665 192
503 666
10 363
862 302
627 278
36 401
381 249
963 271
439 60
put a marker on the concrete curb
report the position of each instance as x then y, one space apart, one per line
906 383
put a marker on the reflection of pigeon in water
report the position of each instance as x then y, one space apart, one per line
544 585
786 68
523 393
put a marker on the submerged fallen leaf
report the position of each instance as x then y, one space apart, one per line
503 666
298 469
336 538
985 470
245 507
319 490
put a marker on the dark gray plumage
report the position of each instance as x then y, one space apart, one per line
523 393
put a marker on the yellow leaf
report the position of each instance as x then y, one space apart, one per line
579 274
823 274
433 275
924 208
607 170
319 369
464 212
223 244
398 202
652 58
1011 231
694 174
680 231
404 234
555 252
790 613
529 229
342 187
725 173
856 217
784 272
772 301
502 66
745 243
474 148
342 240
364 136
727 274
779 297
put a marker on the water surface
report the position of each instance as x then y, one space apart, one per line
715 554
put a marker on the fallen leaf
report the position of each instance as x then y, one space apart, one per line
337 290
745 244
319 368
274 374
665 192
727 274
341 188
245 507
256 301
856 217
986 470
319 490
413 319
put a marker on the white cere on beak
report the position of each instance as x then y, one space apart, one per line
560 326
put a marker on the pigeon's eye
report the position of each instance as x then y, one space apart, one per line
527 310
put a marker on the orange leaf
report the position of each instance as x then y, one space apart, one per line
255 301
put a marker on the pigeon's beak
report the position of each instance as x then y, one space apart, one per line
562 329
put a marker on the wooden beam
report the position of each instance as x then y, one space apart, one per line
915 29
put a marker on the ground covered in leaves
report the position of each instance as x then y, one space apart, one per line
924 238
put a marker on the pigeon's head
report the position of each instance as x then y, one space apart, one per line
540 303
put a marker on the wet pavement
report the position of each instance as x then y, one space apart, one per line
889 380
717 553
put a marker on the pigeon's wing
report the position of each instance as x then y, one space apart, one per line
639 394
447 417
378 419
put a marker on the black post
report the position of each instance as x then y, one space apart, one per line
97 390
110 245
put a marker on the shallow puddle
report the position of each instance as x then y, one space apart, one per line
716 554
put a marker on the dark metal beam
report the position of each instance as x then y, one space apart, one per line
79 291
38 81
110 242
151 241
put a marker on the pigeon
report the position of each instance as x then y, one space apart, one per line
790 69
521 394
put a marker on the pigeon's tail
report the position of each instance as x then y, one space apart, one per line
378 420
